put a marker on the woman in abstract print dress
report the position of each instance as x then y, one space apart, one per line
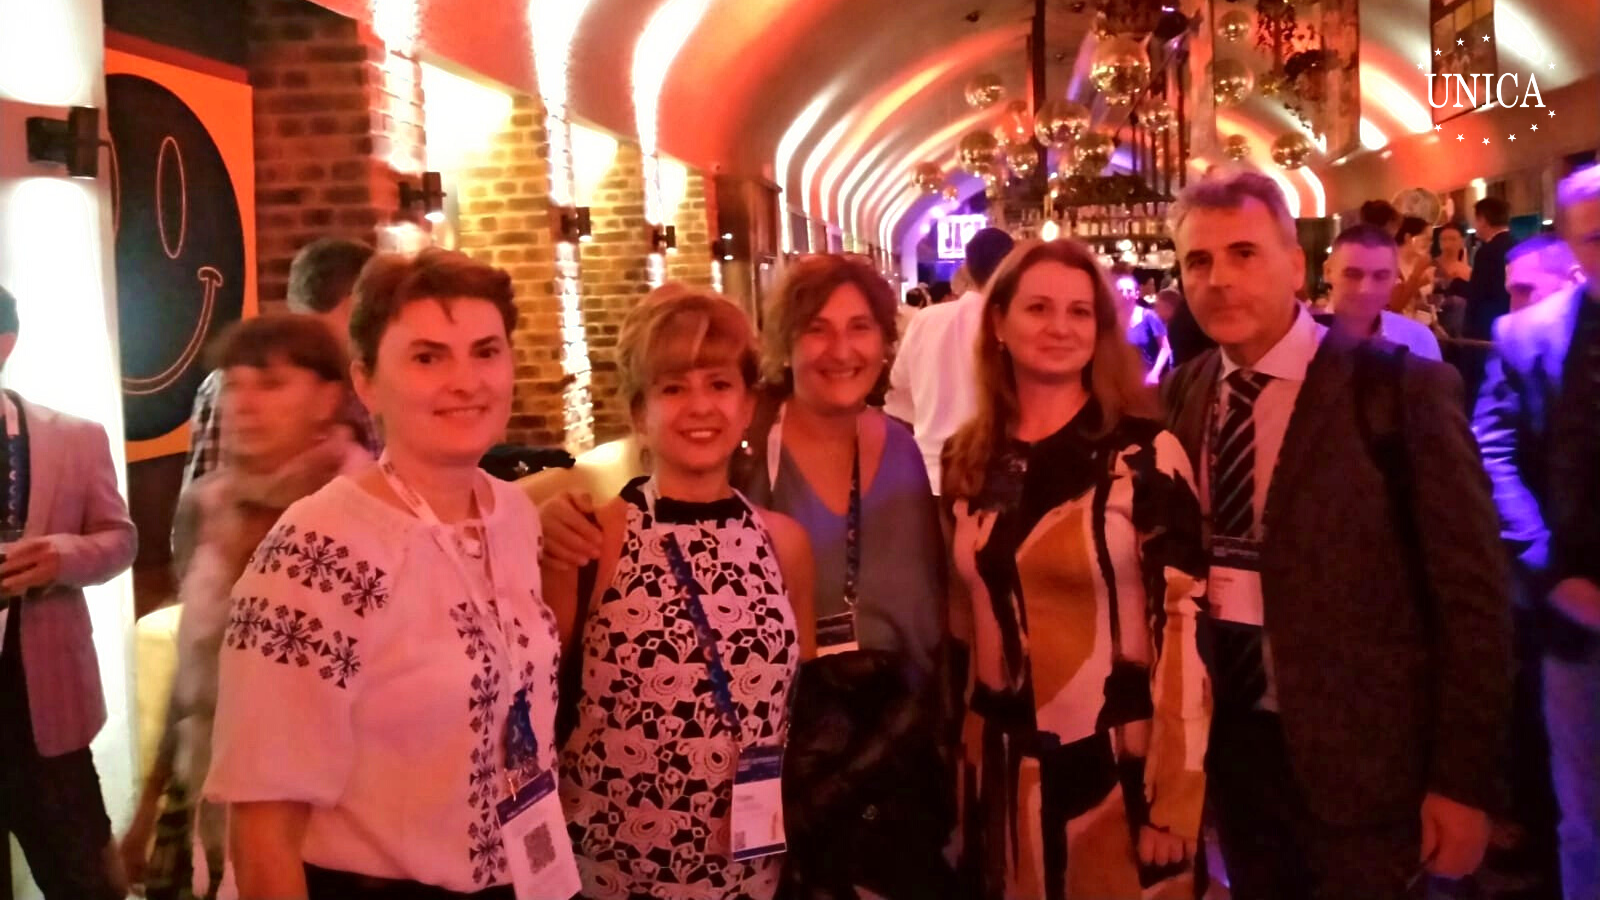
1076 534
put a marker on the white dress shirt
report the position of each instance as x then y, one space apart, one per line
933 385
1287 363
1408 332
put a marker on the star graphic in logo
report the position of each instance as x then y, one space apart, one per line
1461 42
1486 140
1552 64
1486 39
1461 137
1437 52
1438 128
1511 137
1421 66
1552 114
1534 127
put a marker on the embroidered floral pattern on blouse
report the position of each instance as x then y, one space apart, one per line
318 561
484 701
291 637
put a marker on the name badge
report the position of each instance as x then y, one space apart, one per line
758 804
836 634
537 847
1234 582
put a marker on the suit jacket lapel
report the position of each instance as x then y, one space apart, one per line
1189 426
44 468
1326 378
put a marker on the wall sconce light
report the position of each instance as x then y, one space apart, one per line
663 239
73 142
430 196
576 225
722 247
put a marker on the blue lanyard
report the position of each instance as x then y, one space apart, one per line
721 683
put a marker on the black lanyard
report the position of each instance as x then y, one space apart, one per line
852 534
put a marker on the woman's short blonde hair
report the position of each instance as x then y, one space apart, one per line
677 328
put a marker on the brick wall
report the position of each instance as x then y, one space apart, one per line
338 118
692 264
504 196
618 270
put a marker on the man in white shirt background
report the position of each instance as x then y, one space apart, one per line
933 383
1363 271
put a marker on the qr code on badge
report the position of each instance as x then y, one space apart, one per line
540 848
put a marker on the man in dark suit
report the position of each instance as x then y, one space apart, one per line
1361 666
1487 297
1538 421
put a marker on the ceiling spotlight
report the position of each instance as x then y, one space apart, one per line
429 196
73 142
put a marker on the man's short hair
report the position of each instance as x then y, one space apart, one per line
984 252
8 312
1554 255
1365 234
1582 186
324 273
1230 189
1494 212
1379 212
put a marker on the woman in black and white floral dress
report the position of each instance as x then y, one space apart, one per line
648 773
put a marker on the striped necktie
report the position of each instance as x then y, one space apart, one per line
1233 461
1238 670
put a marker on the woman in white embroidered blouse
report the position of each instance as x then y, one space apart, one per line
388 638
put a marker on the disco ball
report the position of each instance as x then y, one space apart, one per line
1024 158
1158 116
1016 125
1235 25
1120 70
1236 147
977 151
985 90
1420 202
1291 150
1060 122
1231 82
927 177
1092 153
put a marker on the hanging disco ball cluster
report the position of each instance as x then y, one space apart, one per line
1233 81
1120 69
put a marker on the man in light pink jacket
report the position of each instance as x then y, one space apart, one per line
63 526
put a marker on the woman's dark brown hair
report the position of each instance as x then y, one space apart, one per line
299 340
806 287
1114 375
390 281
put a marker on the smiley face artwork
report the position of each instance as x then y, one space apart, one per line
180 254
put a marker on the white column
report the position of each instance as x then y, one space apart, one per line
55 257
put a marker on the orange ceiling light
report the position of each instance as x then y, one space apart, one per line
658 45
797 131
892 99
553 26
